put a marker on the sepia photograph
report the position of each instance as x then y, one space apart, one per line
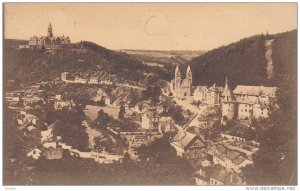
150 94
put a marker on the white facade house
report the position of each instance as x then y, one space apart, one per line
35 153
48 144
94 80
80 80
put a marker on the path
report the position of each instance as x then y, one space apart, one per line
268 45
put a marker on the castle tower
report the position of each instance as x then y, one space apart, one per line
177 80
229 105
50 34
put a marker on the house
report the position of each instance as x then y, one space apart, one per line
138 140
232 138
208 95
141 106
80 80
58 97
166 124
34 153
93 80
108 101
65 76
218 176
31 132
25 117
52 153
219 154
150 119
246 102
60 104
242 92
48 134
48 144
187 144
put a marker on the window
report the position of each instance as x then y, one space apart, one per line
245 110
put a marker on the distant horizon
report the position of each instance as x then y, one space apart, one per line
179 50
150 26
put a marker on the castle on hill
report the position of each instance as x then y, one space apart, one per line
244 102
48 41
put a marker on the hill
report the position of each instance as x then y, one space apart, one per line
244 62
163 58
32 65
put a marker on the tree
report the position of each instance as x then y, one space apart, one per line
152 93
126 158
159 150
121 112
104 142
103 119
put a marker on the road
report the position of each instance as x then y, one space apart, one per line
117 84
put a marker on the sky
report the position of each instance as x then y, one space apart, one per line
150 26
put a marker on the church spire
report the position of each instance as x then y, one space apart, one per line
177 70
188 70
50 34
227 93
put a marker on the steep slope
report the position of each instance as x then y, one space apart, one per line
30 65
245 62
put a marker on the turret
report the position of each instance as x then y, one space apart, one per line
229 105
50 34
227 94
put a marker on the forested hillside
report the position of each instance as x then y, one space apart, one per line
244 62
32 65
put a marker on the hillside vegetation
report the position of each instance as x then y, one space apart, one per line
244 62
32 65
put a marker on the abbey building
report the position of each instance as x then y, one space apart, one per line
183 89
244 102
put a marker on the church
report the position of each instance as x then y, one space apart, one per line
48 41
183 89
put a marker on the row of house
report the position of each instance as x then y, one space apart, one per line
217 175
65 76
219 154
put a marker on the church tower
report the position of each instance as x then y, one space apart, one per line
229 105
177 80
189 74
189 77
50 34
